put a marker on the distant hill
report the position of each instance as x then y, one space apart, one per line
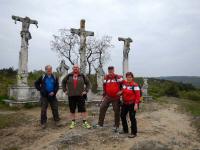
194 80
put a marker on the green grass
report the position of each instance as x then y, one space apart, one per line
190 106
193 107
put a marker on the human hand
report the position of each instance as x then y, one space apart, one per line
51 94
84 93
119 93
136 107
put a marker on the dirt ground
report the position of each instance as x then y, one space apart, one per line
160 127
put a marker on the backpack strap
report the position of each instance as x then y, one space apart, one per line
133 88
83 76
67 78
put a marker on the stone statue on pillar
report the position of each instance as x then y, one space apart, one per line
22 92
145 87
63 70
23 54
126 50
82 34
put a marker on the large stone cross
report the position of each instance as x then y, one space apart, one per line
126 50
23 54
82 34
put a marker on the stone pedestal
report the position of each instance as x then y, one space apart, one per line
23 93
145 87
61 96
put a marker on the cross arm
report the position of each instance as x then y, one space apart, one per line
89 33
125 39
75 31
17 18
34 22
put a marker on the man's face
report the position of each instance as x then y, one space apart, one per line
75 69
111 71
49 70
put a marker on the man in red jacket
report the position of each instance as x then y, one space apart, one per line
111 87
131 98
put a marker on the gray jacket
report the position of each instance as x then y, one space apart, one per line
82 85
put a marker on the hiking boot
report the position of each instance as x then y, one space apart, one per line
43 126
132 136
72 125
115 129
86 125
58 123
122 132
97 126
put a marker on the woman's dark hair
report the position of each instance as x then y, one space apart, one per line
130 74
110 67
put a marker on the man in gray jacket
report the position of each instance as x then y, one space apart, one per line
76 86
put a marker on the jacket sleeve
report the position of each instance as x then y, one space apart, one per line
64 83
38 83
57 85
104 86
120 81
137 94
87 83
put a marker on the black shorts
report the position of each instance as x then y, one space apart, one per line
75 101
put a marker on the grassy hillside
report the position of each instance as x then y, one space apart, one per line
157 87
194 80
7 79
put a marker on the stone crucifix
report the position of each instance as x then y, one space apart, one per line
82 51
126 50
23 54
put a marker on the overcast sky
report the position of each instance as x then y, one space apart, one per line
165 33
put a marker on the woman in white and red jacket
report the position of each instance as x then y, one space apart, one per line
131 98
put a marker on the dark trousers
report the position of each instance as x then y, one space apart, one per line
54 108
125 108
103 108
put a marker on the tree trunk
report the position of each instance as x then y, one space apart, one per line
89 68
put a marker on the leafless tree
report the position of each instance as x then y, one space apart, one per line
97 53
67 46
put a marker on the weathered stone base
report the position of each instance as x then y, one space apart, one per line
147 98
61 95
100 90
21 95
19 104
25 94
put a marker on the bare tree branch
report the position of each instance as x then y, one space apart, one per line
67 46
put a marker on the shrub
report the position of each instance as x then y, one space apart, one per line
172 90
193 95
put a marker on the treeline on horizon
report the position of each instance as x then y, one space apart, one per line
157 87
